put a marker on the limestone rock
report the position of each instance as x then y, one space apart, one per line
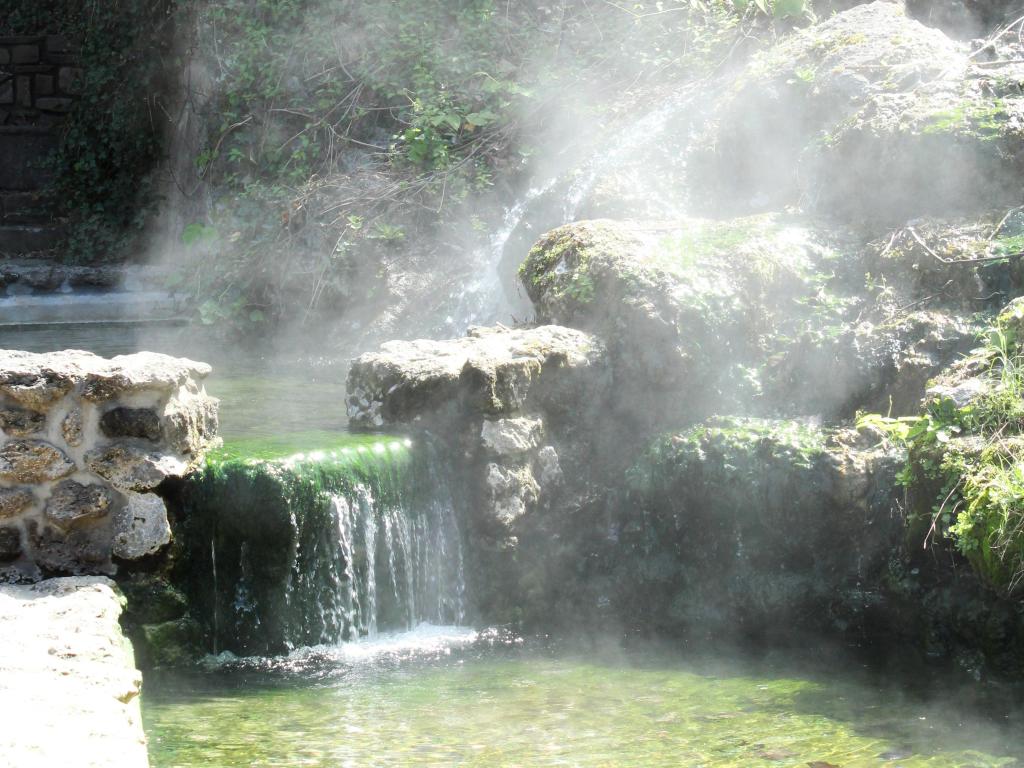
71 502
130 467
33 461
65 661
14 501
190 424
141 527
550 468
509 437
38 380
511 490
142 423
491 371
21 422
78 551
867 100
71 428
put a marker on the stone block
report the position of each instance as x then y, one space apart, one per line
44 85
54 104
7 91
69 80
141 527
57 44
21 422
5 56
25 54
33 461
131 422
72 502
23 91
14 501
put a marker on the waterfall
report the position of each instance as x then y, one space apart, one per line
321 548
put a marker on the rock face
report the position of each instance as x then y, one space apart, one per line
506 401
760 315
868 100
490 371
85 442
65 663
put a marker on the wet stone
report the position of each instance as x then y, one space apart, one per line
14 501
72 502
71 428
80 550
131 422
131 468
10 543
33 461
141 527
25 54
21 422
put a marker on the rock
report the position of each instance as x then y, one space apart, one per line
550 468
71 428
71 502
133 468
489 372
190 424
681 304
78 551
33 461
141 527
21 422
39 380
14 501
511 490
509 437
868 99
64 659
10 543
131 422
172 643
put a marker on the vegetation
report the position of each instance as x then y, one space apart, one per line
965 467
103 187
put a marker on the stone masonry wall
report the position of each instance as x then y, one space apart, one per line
84 444
39 80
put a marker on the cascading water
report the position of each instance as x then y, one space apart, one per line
320 548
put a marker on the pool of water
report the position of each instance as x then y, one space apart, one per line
444 696
262 395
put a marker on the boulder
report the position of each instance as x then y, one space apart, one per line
867 100
143 423
492 371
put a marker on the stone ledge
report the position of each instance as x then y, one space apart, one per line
68 677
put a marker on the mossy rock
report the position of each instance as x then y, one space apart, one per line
869 115
175 643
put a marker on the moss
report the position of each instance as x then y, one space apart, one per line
984 120
170 644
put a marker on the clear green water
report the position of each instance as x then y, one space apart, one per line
262 395
513 707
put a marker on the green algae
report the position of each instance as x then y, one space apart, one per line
602 710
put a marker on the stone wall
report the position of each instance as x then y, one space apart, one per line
85 444
39 82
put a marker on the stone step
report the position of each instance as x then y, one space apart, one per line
101 307
21 208
29 238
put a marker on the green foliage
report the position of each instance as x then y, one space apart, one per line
779 9
965 464
112 139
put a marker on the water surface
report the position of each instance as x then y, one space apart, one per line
442 697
